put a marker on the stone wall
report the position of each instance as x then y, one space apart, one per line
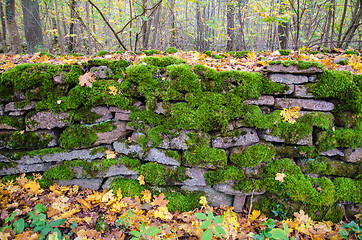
191 130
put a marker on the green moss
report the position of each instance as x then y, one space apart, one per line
15 122
182 79
241 54
210 79
171 50
348 190
157 174
343 137
216 56
102 53
80 136
150 52
351 52
40 152
253 116
128 187
339 85
181 200
347 119
130 163
270 87
344 62
97 150
299 64
173 154
299 151
60 172
230 173
85 115
162 62
7 165
249 185
29 140
284 52
253 156
208 53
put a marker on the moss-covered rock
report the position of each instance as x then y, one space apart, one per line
128 187
158 174
13 122
162 62
348 190
252 156
343 137
230 173
60 172
181 200
299 151
171 50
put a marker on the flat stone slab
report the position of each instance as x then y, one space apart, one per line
263 100
239 202
213 197
197 177
158 155
93 183
101 72
131 150
266 136
288 78
178 142
301 91
47 120
227 188
333 152
84 154
121 130
280 68
240 137
123 116
308 104
286 92
40 167
10 107
353 155
118 170
103 112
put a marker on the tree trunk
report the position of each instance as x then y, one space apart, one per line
230 26
13 30
145 24
173 30
339 44
60 36
3 28
283 28
32 26
199 28
355 22
71 26
156 24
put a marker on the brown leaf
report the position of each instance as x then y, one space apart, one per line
160 201
86 79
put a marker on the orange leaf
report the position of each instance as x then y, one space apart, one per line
160 201
84 204
86 79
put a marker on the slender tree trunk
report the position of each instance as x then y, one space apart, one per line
241 29
60 35
230 25
156 24
144 27
173 26
283 28
32 26
13 30
355 22
71 27
342 22
199 27
3 28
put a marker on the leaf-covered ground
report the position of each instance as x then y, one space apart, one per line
29 212
337 59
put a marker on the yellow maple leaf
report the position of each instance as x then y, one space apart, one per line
43 58
4 236
33 187
280 177
290 114
113 90
120 4
147 196
67 214
203 201
254 215
108 197
110 154
303 218
251 56
95 197
163 213
141 179
8 65
118 206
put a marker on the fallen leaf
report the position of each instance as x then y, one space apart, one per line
290 114
86 79
280 177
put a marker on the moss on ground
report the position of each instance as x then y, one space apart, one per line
128 187
29 140
299 64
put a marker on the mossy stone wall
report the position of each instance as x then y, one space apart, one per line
190 131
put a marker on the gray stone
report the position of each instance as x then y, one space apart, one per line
101 72
333 152
280 68
17 113
266 136
121 130
47 120
53 142
59 79
118 170
29 160
302 92
19 95
227 188
239 202
353 155
3 158
75 154
213 197
178 142
240 137
286 92
94 183
312 78
159 109
197 177
122 115
116 109
10 107
339 59
40 167
288 78
158 155
131 150
1 110
263 100
353 209
103 112
7 127
308 104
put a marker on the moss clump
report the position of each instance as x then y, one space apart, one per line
128 187
348 190
249 185
253 116
15 122
150 52
253 156
7 165
339 85
323 165
347 119
241 54
162 62
157 174
299 151
284 52
351 52
181 200
80 136
85 115
182 79
173 154
230 173
102 53
171 50
60 172
40 152
299 64
29 140
200 153
343 63
210 79
344 137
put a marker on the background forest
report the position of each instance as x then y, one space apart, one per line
87 26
